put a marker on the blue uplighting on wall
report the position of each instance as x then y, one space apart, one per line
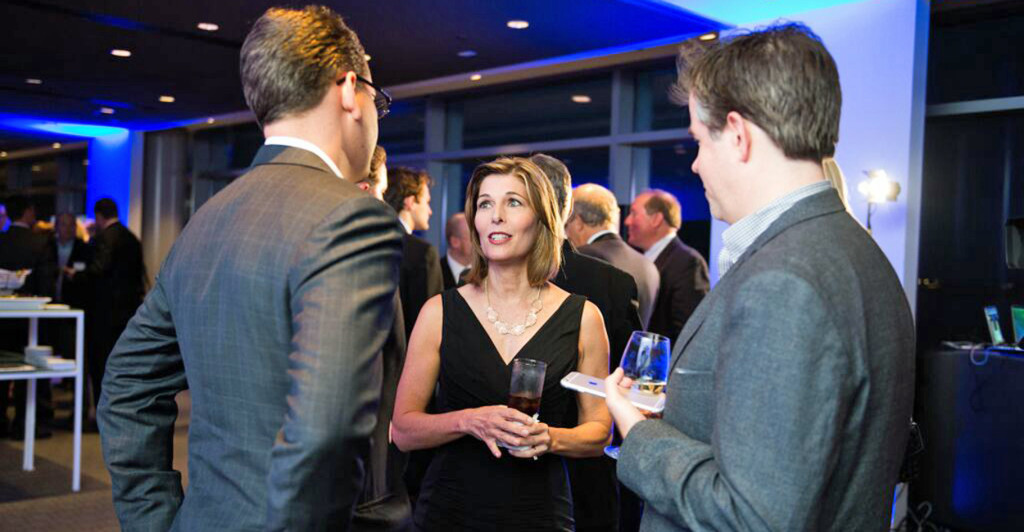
735 12
110 171
43 125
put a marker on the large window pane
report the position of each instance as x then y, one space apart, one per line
403 129
652 108
539 113
670 171
975 55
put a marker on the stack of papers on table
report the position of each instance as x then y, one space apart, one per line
54 363
23 303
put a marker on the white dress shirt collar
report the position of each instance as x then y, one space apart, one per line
456 267
659 246
405 225
593 238
295 142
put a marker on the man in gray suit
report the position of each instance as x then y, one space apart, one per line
790 388
593 227
272 309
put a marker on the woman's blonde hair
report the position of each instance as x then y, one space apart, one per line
834 175
546 256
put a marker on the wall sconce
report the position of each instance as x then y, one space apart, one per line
878 188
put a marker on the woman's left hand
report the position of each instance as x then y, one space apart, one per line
539 441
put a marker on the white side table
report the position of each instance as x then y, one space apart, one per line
32 376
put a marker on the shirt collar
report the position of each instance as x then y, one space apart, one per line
295 142
593 238
659 246
455 266
740 235
408 229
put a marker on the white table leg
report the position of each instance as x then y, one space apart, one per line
76 471
30 426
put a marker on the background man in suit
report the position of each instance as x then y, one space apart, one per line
420 279
21 247
595 498
376 181
594 229
117 278
280 325
791 387
460 250
654 217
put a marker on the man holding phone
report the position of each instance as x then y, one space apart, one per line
791 386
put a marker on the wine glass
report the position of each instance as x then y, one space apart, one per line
645 360
525 389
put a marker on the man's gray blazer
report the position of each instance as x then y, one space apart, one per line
610 248
790 389
272 309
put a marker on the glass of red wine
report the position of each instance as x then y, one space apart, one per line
525 389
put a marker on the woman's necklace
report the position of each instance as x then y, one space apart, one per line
505 328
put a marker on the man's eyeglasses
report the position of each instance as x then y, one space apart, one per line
381 99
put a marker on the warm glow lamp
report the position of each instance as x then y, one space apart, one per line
878 188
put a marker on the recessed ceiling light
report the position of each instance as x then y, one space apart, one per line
708 36
518 24
3 154
475 77
581 98
210 120
367 57
37 168
117 52
167 99
107 110
207 26
467 53
34 81
56 145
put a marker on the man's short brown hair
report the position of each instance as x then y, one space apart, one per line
402 183
546 256
781 78
661 202
291 57
379 158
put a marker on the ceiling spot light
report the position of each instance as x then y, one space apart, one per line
475 77
107 110
708 36
367 57
56 145
467 53
3 154
518 24
207 26
167 99
581 98
210 120
34 81
117 52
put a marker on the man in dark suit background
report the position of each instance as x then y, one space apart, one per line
275 328
595 497
791 387
459 252
408 194
116 276
21 247
654 217
593 228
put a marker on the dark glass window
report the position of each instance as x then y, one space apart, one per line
402 131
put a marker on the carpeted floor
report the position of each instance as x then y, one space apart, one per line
42 500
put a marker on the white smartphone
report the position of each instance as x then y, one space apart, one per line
595 386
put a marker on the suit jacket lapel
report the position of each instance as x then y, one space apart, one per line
820 204
276 154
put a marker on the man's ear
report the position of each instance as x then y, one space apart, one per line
364 186
738 130
408 202
348 96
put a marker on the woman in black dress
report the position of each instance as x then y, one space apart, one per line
464 343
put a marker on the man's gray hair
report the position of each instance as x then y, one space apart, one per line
596 206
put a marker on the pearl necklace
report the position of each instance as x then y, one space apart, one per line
506 328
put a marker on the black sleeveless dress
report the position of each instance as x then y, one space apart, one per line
466 487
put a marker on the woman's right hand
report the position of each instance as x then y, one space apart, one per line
491 424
